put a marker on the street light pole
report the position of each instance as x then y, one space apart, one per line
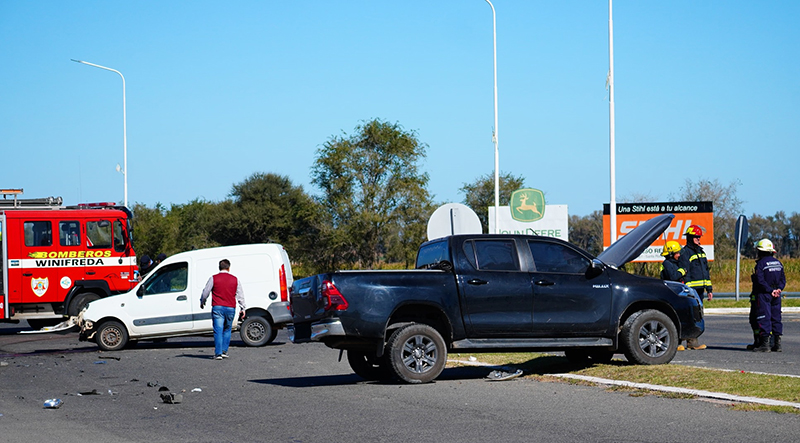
612 207
124 130
494 134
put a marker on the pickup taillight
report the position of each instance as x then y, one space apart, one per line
334 300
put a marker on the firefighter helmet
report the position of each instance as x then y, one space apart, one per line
694 230
671 248
765 245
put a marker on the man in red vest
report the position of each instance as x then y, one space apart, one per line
227 291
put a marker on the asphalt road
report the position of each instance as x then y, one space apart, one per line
301 393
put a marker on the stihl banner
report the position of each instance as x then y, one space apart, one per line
630 215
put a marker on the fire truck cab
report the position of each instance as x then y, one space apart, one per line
55 259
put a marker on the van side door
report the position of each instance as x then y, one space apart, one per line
163 301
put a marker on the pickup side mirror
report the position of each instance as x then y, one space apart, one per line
140 291
595 269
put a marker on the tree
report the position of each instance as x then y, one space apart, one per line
587 232
268 208
150 229
479 195
370 182
190 226
727 208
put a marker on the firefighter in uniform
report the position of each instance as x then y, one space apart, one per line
769 280
693 266
670 268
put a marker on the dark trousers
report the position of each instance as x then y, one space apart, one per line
768 315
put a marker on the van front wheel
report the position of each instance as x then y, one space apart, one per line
112 336
256 331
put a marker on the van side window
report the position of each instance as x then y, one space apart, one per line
69 233
119 236
38 233
98 234
171 278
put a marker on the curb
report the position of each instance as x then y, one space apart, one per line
695 392
715 311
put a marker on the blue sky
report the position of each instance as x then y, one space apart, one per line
219 90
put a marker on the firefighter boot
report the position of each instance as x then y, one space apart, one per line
763 344
755 343
777 346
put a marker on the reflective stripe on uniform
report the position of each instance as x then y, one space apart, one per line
698 283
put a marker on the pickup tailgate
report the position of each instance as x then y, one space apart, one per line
308 305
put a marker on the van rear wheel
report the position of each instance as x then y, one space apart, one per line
256 331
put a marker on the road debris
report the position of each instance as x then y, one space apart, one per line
53 403
503 375
92 392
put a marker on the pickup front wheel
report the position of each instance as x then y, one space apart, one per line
649 338
417 353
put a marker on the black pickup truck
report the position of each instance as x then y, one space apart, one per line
497 293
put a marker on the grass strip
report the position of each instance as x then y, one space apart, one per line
744 302
740 383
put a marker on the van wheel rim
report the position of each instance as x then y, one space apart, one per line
255 331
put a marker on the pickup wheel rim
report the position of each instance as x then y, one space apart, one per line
419 354
654 338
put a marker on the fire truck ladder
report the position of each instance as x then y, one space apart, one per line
27 203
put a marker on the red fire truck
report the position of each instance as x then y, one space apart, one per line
54 259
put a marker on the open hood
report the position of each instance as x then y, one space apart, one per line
631 245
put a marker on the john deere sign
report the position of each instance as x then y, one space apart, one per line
527 205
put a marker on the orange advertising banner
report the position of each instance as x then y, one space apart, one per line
630 215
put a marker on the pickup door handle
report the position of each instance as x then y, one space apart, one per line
181 298
477 281
27 274
544 282
90 272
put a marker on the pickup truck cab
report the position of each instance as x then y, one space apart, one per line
166 303
497 293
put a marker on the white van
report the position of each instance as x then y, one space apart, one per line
166 303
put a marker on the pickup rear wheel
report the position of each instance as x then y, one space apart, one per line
368 366
649 338
417 353
256 331
111 336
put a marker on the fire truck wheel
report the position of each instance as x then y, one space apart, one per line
112 336
80 301
39 323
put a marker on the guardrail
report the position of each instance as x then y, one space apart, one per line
747 294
